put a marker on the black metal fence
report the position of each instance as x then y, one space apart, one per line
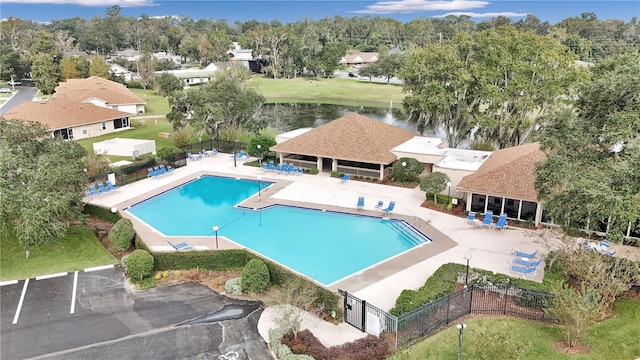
511 300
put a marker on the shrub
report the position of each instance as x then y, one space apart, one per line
367 348
122 234
255 276
314 171
233 286
336 174
139 264
101 213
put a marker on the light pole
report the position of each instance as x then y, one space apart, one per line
259 154
449 187
259 187
215 230
12 83
466 278
404 168
461 328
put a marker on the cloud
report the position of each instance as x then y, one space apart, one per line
507 14
99 3
409 6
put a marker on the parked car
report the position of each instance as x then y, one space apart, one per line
15 82
352 75
5 90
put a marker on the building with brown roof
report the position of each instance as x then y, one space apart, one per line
100 92
504 183
357 58
70 119
353 144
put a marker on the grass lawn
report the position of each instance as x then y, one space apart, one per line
154 104
147 129
510 338
330 91
78 250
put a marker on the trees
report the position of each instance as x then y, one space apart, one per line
166 83
227 103
592 172
46 72
434 183
99 67
41 181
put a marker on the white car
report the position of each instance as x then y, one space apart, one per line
5 90
15 82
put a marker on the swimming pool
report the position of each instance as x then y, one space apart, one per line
323 245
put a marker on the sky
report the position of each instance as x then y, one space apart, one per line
288 11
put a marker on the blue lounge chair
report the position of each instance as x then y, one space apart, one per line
182 246
239 155
360 204
88 194
501 223
523 271
158 171
271 167
488 219
103 189
379 205
169 168
291 169
471 218
525 255
152 173
389 208
110 186
345 178
94 191
526 263
164 169
190 156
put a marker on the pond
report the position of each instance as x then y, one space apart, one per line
290 116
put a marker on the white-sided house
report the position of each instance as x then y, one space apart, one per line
101 92
193 76
69 119
129 54
117 70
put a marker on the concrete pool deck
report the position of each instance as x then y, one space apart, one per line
380 285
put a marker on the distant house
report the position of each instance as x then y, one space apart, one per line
129 54
117 70
357 58
193 76
70 119
101 92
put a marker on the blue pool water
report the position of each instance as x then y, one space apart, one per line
325 246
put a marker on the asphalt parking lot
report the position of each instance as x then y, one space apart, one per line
94 315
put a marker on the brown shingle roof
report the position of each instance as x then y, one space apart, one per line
63 113
352 137
111 92
508 172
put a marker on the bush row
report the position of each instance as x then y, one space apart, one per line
442 199
101 213
282 351
367 348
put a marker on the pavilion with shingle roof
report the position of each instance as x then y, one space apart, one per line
353 144
504 183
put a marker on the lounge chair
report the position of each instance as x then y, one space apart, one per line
360 204
523 271
164 169
190 156
88 194
501 223
158 171
110 186
488 219
526 263
525 255
169 168
239 155
182 246
271 167
94 191
345 178
152 173
103 189
471 218
379 205
389 208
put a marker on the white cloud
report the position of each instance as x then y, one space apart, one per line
490 15
121 3
409 6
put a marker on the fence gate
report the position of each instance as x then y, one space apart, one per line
354 311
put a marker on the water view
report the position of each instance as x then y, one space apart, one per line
290 116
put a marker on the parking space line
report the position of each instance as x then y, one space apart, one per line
43 277
73 292
104 267
24 292
8 282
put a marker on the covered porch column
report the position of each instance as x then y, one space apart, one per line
381 172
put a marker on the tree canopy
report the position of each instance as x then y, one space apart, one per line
591 178
41 181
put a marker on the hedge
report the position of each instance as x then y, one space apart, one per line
255 277
101 213
121 234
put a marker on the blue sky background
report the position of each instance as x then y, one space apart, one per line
293 10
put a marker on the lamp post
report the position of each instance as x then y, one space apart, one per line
449 187
259 154
259 188
461 328
404 168
215 230
466 278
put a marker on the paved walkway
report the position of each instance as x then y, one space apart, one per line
380 285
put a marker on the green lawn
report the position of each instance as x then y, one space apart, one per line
510 338
330 91
78 250
154 104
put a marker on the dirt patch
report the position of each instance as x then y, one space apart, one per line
576 349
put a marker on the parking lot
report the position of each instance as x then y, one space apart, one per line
93 314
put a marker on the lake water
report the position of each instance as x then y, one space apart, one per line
290 116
